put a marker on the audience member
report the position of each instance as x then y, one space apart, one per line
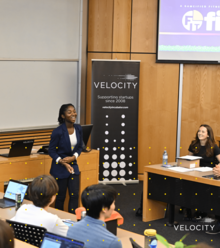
6 235
42 192
99 201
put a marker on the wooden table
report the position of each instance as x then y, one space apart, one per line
123 235
38 164
168 186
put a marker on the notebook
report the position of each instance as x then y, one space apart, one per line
19 148
9 196
57 241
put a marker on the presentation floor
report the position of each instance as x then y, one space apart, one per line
127 203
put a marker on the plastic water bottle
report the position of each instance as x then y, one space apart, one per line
17 201
165 158
83 214
150 240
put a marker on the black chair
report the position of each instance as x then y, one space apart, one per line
134 244
28 233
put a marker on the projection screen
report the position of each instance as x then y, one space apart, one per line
188 31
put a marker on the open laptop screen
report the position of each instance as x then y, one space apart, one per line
56 241
13 188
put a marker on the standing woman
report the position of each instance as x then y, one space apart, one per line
65 146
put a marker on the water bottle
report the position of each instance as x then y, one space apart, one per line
165 158
150 240
17 201
83 214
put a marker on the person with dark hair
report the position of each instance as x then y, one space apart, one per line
203 146
65 146
42 192
99 202
6 235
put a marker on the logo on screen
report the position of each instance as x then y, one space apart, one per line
192 20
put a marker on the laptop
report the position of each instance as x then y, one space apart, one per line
9 196
54 240
19 148
44 150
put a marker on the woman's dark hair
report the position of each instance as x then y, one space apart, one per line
96 197
6 235
42 189
62 111
210 143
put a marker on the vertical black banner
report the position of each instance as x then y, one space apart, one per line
115 91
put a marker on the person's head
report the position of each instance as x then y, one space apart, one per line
99 200
205 133
67 113
204 136
6 235
43 190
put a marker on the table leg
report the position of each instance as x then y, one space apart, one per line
171 214
152 210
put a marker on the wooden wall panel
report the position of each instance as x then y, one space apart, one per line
123 56
201 102
158 100
100 25
122 26
89 78
144 26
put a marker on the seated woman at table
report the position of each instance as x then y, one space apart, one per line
203 146
42 192
6 235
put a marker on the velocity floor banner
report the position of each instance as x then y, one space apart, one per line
115 91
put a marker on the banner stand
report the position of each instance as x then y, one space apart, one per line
114 115
120 182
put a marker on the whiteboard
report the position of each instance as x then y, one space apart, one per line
39 29
33 91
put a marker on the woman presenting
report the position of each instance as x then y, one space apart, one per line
65 146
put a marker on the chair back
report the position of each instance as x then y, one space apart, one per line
134 244
28 233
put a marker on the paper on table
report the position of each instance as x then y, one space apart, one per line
180 169
188 157
203 169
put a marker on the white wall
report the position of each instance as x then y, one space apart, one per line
39 56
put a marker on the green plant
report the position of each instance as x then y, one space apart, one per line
178 244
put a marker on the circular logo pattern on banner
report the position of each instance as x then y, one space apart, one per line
114 156
106 165
114 165
106 156
122 156
114 173
122 164
122 173
105 173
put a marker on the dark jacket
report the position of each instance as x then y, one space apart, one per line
60 147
